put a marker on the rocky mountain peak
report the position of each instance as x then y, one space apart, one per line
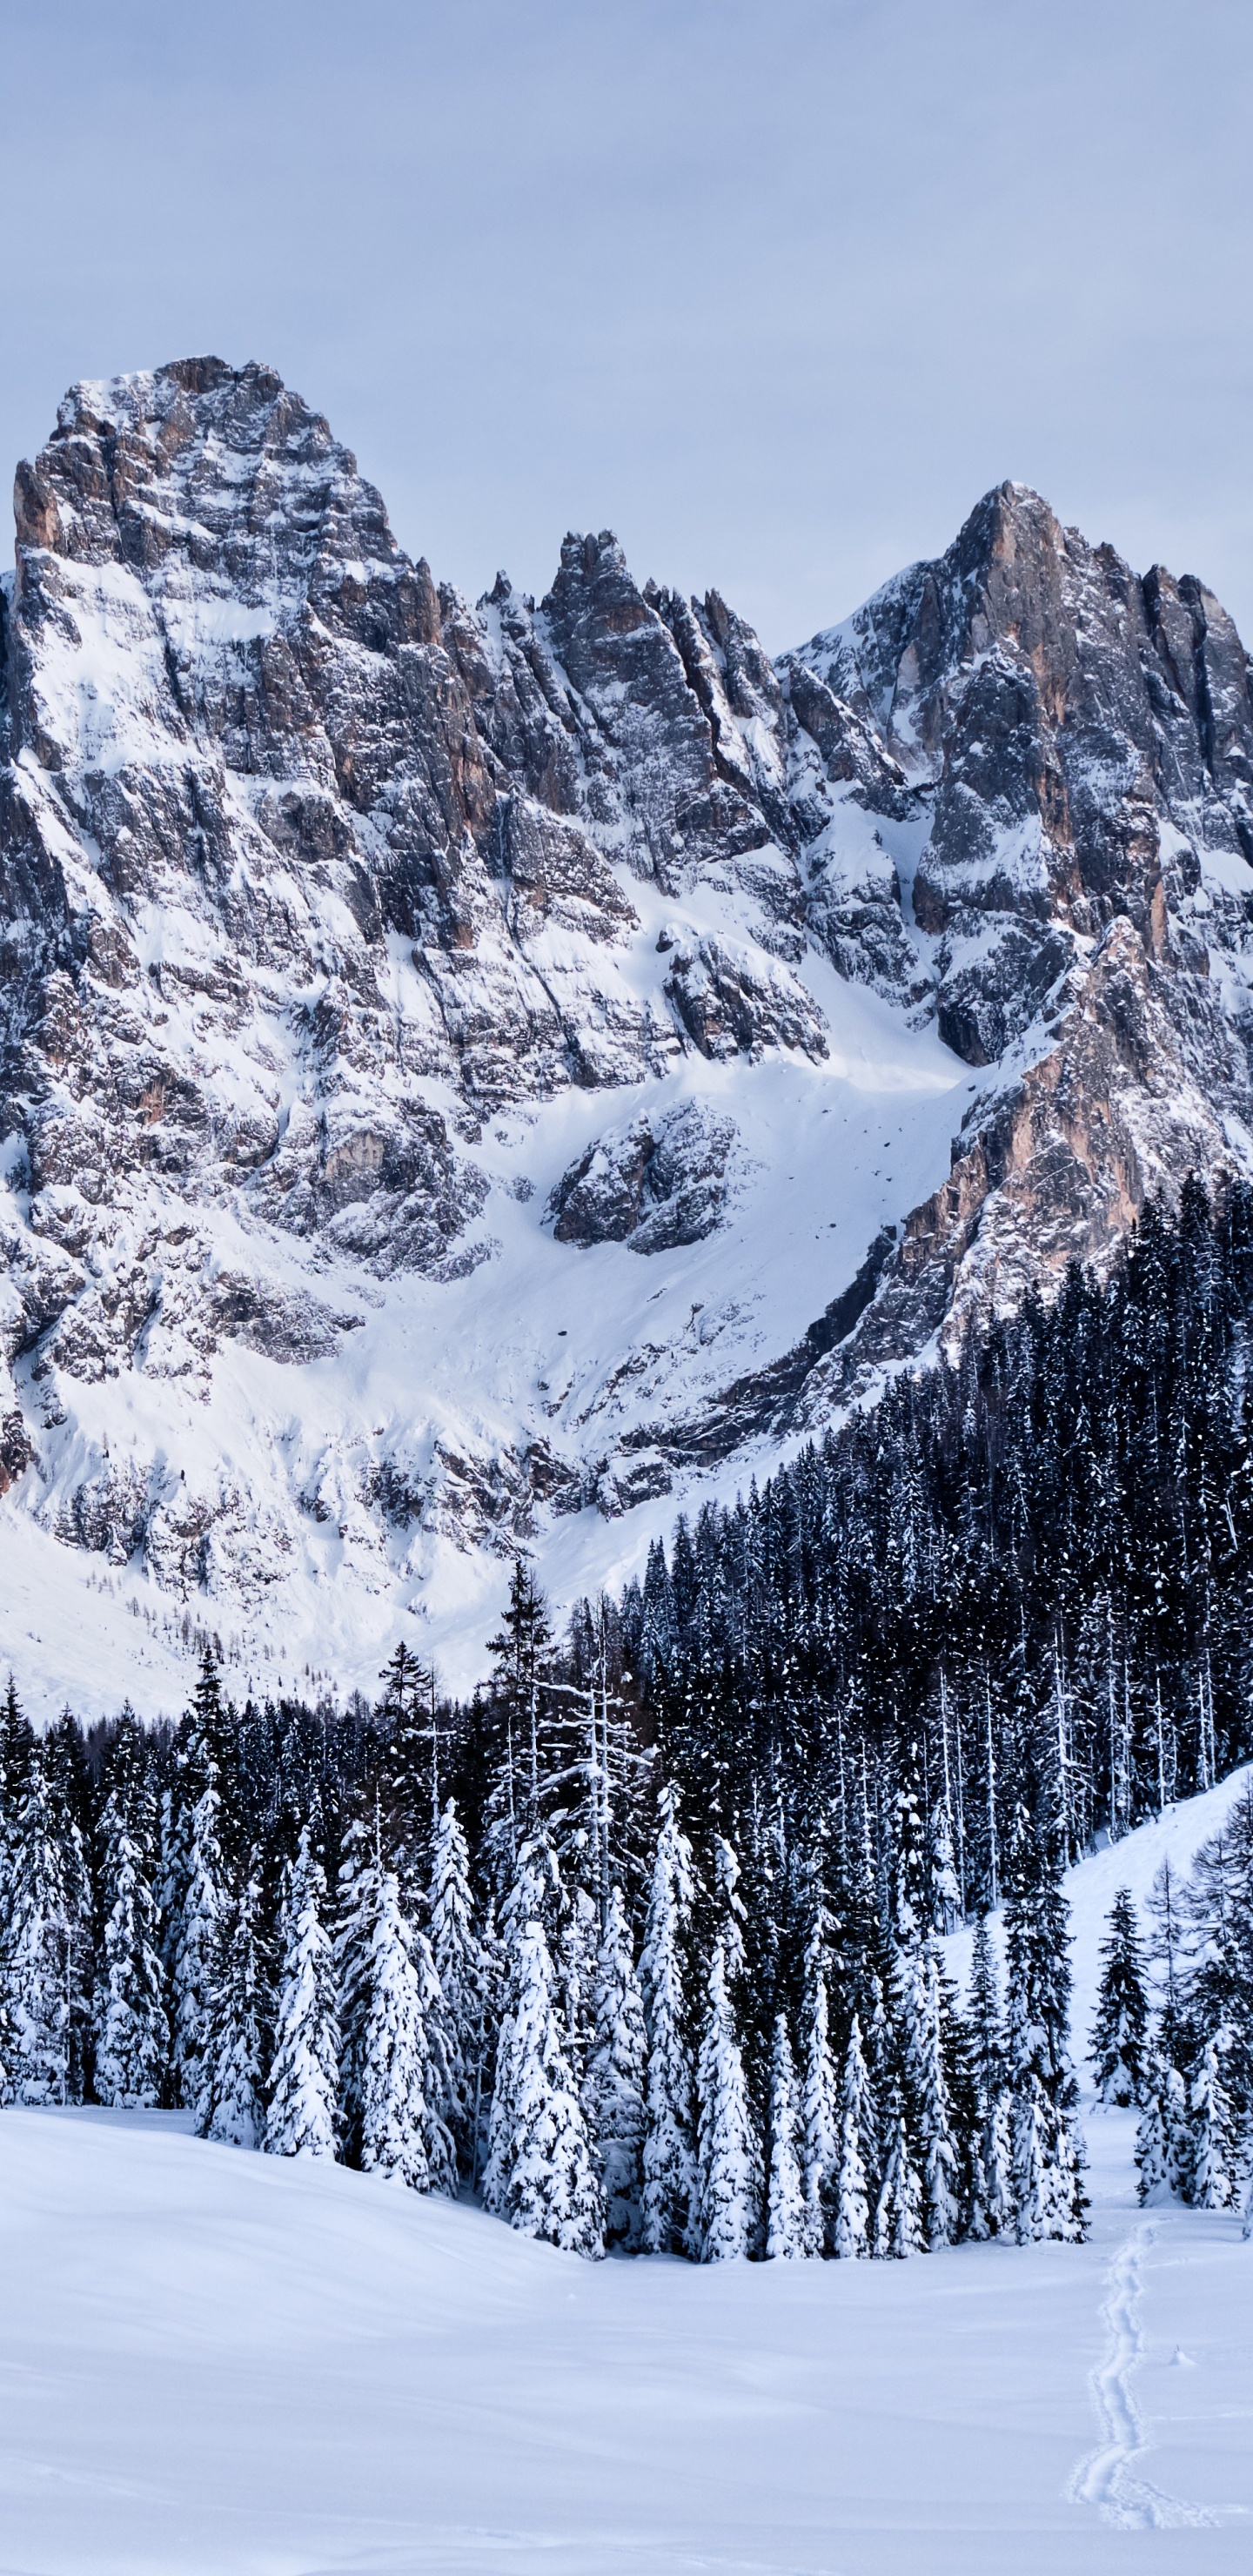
373 966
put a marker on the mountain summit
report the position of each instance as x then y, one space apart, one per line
467 1075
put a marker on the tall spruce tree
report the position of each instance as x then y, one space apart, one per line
786 2229
304 2076
392 2079
855 2192
820 2104
39 1947
728 2156
1047 2157
232 2061
462 1972
613 2088
541 2174
900 2228
1119 2043
132 2026
671 2220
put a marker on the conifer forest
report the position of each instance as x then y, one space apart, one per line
640 1944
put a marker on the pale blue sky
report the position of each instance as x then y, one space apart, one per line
775 287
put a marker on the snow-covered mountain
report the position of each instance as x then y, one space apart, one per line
471 1077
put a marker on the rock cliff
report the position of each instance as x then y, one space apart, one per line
380 975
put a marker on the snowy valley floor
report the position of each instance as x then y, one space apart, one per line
218 2364
212 2361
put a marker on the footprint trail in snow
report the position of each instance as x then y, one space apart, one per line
1107 2477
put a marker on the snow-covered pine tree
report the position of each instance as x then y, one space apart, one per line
996 2158
1048 2197
1216 2159
69 1816
392 2081
787 2234
231 2064
132 2027
406 1787
990 2146
727 2153
1047 2167
939 2155
541 2173
613 2088
911 1895
38 1948
729 1910
820 2103
575 1963
461 1969
984 2018
195 1889
538 1766
1119 2043
671 2223
1163 2136
899 2222
945 1887
304 2075
858 2156
16 1740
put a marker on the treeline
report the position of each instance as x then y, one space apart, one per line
619 2041
642 1942
1038 1564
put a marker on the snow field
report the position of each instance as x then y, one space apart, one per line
224 2364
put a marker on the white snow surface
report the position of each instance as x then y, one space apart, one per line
221 2364
542 1340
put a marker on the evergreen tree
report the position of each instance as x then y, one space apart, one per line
996 2155
988 2047
1047 2170
939 2156
899 2226
38 1949
858 2155
232 2060
671 2222
407 1784
1048 2197
462 1974
392 2078
541 2174
820 2107
197 1884
613 2088
786 2230
728 2157
1119 2043
1215 2150
304 2075
132 2027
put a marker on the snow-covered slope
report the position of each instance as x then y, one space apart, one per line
470 1078
1092 1885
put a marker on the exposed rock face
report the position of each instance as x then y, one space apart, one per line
1083 739
660 1183
321 892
